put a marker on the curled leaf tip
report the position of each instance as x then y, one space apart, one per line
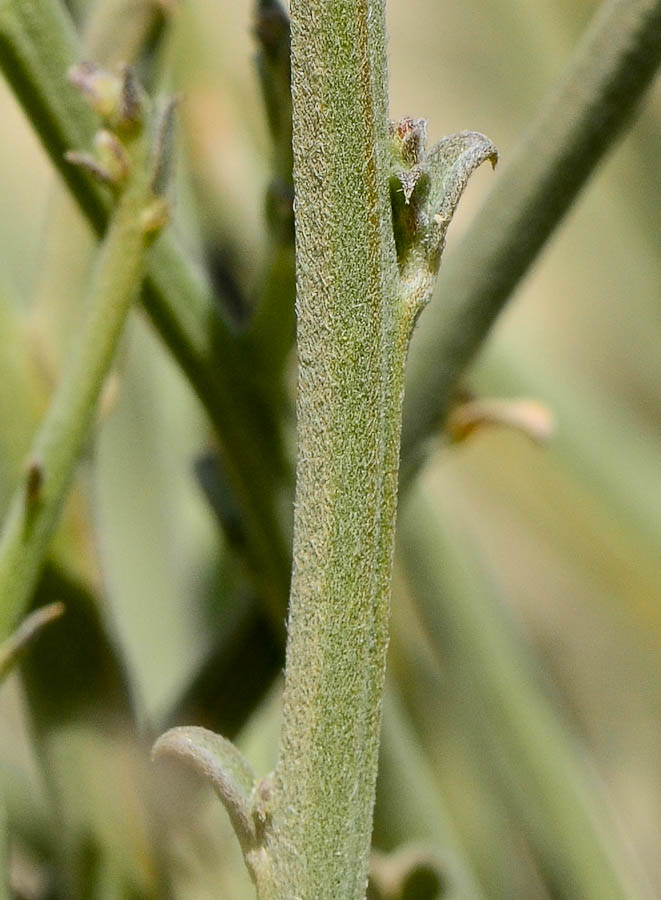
222 764
451 162
425 188
90 164
11 649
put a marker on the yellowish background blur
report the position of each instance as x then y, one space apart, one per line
571 533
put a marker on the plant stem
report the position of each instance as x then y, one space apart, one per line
352 339
38 499
543 775
38 44
608 74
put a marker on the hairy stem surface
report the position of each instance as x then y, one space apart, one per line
352 340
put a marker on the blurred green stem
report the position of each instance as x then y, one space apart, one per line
608 74
38 44
543 773
408 805
37 501
273 324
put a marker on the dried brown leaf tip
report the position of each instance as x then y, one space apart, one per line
530 417
34 480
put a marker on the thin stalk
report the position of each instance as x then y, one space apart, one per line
352 340
38 44
542 770
38 499
608 74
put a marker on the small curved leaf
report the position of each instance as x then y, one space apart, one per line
451 163
221 763
425 188
11 649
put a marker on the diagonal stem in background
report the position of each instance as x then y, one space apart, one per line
606 77
40 494
38 44
544 776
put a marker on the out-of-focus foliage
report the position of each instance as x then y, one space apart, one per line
568 534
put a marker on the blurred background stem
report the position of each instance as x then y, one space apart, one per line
39 44
544 774
627 50
608 73
35 507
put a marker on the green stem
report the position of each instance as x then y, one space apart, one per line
38 499
542 770
38 44
273 324
609 72
352 339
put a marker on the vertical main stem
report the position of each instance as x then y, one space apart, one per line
352 338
